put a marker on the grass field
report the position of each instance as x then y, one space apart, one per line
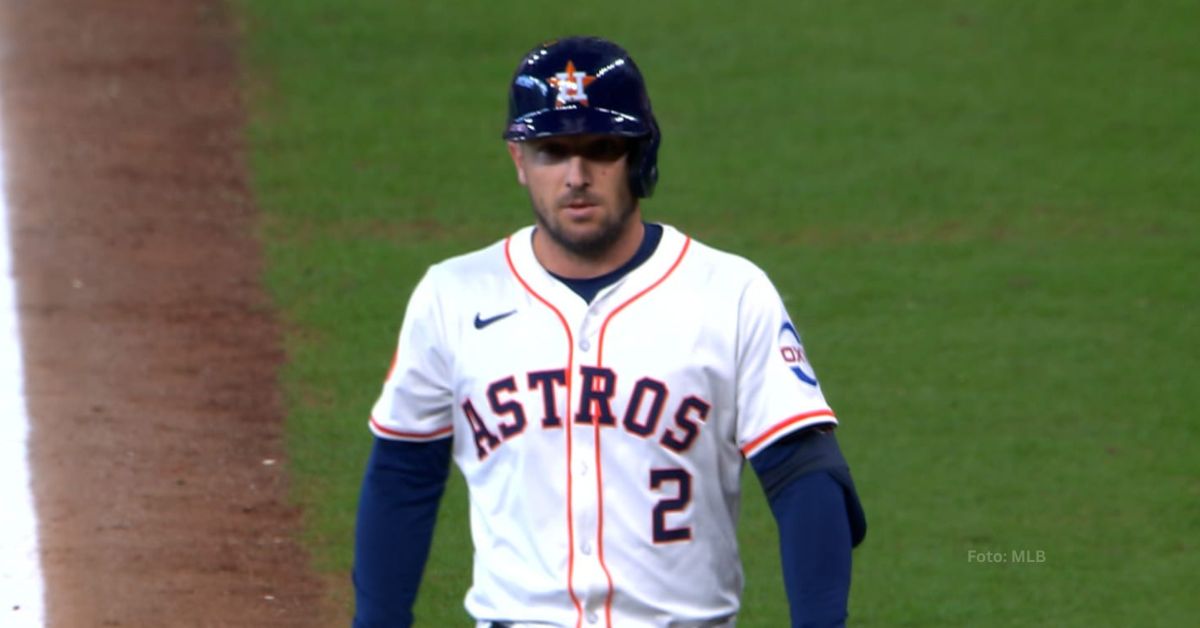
983 215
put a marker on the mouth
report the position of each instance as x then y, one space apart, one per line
580 207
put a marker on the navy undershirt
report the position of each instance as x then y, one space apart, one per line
804 476
587 289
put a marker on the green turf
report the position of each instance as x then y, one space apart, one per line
982 214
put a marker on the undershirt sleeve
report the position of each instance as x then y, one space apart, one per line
397 510
804 452
814 549
816 509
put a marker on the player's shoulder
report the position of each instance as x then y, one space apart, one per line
480 265
716 264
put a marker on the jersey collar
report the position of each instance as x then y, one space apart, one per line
524 264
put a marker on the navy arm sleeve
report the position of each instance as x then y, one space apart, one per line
812 497
397 509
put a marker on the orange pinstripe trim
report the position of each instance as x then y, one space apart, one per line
418 435
568 421
608 598
782 426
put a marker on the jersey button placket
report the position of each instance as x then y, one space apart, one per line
588 574
581 472
590 581
586 330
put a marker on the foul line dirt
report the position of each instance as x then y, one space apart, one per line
150 349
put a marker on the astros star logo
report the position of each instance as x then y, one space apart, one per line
571 86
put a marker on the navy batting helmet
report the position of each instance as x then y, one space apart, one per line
586 85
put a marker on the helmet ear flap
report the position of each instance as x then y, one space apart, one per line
643 163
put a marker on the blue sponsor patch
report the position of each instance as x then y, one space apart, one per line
793 354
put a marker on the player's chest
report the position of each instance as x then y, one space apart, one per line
661 372
671 336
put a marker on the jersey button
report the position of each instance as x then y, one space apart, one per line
584 344
586 548
592 617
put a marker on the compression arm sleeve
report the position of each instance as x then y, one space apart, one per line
816 509
397 509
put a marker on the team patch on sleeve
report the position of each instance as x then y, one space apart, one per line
792 351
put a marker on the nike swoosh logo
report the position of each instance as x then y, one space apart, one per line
480 323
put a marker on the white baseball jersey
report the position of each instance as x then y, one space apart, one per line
602 443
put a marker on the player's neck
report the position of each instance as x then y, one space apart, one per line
563 262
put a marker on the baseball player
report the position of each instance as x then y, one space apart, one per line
600 381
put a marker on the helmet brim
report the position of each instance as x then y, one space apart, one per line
575 120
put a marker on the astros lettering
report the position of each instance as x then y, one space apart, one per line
508 417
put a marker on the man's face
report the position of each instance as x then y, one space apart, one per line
579 188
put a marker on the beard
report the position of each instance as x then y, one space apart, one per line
591 245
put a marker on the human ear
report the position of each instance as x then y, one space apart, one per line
514 151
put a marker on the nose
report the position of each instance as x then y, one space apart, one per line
578 173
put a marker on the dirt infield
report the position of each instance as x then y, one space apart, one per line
151 352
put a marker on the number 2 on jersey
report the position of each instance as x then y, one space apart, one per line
681 499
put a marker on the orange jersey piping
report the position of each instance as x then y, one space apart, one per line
608 599
413 435
782 425
568 425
